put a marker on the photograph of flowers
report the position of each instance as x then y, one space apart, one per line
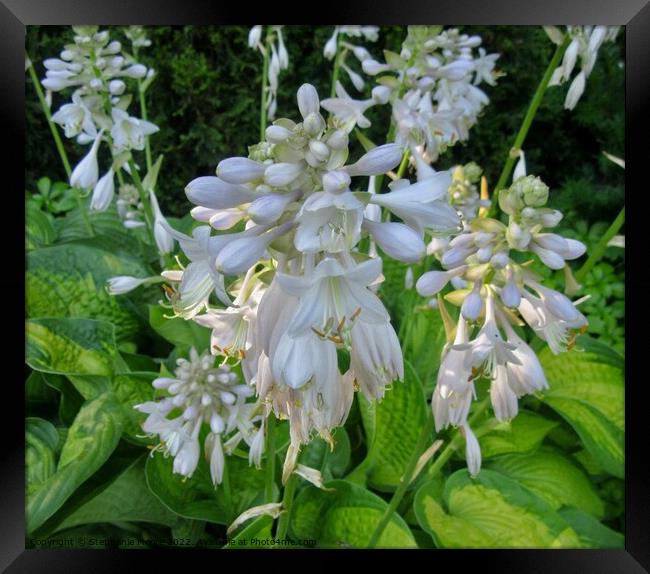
335 287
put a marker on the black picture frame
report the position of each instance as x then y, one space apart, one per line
15 15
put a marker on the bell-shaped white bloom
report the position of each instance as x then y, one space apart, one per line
164 240
397 240
421 205
103 192
254 36
75 118
329 51
454 390
576 89
549 326
489 348
329 222
472 451
129 133
86 173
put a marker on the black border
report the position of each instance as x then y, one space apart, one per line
16 14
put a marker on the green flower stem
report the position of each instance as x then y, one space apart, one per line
48 115
225 484
600 248
143 113
148 213
270 458
404 164
528 120
425 437
265 79
287 504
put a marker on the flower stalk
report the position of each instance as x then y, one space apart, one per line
527 122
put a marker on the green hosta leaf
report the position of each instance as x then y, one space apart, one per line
109 231
177 330
524 433
131 390
424 339
41 438
71 400
37 391
69 281
393 427
71 346
552 477
345 518
127 498
39 229
491 511
197 497
91 439
592 533
588 392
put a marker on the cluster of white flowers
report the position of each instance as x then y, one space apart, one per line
278 61
337 41
432 86
202 393
584 45
307 289
97 69
493 291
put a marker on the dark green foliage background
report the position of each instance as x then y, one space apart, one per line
206 102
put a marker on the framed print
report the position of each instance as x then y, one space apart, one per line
353 285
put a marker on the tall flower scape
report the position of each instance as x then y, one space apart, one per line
283 262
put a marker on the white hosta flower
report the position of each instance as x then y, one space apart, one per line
377 161
204 394
75 118
422 205
128 132
432 282
103 192
86 172
347 111
164 240
472 451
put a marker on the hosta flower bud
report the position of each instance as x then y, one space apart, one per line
86 172
254 36
124 283
135 71
397 240
281 174
116 87
575 91
240 170
377 161
336 181
277 134
269 208
319 150
380 94
314 124
214 193
308 102
103 192
338 140
510 294
473 303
